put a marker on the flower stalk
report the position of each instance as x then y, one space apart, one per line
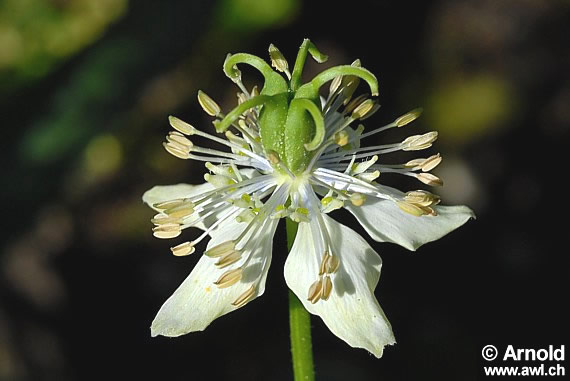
299 326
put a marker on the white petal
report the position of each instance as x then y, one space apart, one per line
197 301
386 222
162 193
352 312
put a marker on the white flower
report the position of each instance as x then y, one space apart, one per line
249 188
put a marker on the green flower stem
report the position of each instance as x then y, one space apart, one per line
300 326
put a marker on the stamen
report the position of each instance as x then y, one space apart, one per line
429 179
208 104
408 117
180 211
177 137
183 249
357 199
173 150
315 291
161 219
278 61
181 126
419 142
229 278
229 259
222 249
326 287
363 109
332 265
166 231
246 297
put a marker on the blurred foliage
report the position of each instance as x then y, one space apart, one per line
37 34
256 14
465 108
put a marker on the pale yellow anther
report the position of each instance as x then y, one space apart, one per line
412 209
245 297
363 109
176 137
408 117
278 61
335 84
181 126
229 259
332 264
185 248
254 91
242 98
429 179
341 138
431 162
273 157
375 108
229 278
208 104
355 103
324 263
419 142
223 248
369 176
315 291
180 211
166 231
176 151
326 288
168 204
357 199
161 219
350 87
422 198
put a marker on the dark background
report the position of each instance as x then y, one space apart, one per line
85 90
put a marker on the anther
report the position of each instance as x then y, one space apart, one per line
229 259
419 142
431 162
408 117
176 137
168 204
412 209
183 249
429 179
162 219
315 291
229 278
278 61
363 109
323 263
357 199
332 264
273 157
326 288
181 211
181 126
222 249
208 104
166 231
422 198
175 151
341 138
355 103
246 297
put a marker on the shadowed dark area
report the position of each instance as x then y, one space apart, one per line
86 87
